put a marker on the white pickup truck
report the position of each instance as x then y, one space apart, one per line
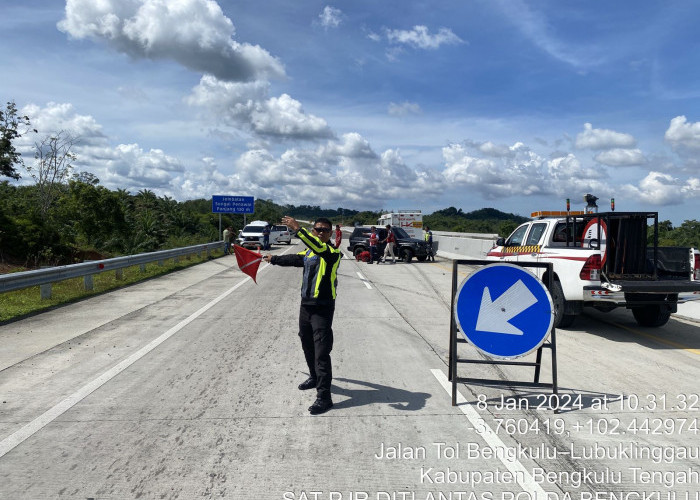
605 260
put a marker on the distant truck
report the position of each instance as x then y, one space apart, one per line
604 260
410 221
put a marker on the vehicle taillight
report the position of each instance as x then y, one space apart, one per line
696 272
591 269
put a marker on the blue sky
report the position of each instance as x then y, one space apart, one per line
510 104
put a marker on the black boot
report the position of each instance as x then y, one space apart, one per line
309 383
320 406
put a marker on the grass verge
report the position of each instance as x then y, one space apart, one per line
19 303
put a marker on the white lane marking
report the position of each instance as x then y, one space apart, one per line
364 280
47 417
492 440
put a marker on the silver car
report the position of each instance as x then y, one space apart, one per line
280 234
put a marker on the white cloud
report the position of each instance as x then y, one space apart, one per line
496 150
490 148
330 17
597 138
404 109
516 171
56 117
247 105
195 33
656 188
129 165
344 171
126 166
691 189
420 38
683 135
339 172
621 157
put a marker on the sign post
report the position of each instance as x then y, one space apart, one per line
226 204
505 312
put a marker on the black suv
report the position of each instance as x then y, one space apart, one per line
406 247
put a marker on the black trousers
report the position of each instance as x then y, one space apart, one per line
316 334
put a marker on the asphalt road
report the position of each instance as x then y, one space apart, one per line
185 387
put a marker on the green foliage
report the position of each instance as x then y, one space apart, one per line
366 218
485 220
12 127
86 217
685 235
507 227
268 211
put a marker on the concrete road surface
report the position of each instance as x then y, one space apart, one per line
186 387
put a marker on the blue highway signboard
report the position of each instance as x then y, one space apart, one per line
222 204
504 310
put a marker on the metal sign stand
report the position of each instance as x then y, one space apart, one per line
454 340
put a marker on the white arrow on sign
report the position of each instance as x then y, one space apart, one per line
494 315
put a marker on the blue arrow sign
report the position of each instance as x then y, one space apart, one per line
504 310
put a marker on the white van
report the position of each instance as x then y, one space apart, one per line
251 235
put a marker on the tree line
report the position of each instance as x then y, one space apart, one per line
85 220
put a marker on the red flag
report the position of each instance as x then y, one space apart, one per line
248 261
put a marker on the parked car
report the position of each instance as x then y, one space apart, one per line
280 234
251 235
406 247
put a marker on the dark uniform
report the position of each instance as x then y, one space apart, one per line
320 262
429 241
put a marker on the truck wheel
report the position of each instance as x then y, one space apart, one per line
407 255
561 320
653 315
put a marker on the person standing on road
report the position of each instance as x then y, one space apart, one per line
318 289
373 241
266 237
389 248
227 240
338 236
429 240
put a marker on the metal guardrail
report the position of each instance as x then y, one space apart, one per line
25 279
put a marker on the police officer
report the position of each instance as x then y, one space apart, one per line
320 262
266 237
429 241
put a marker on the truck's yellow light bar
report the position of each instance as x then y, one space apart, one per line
555 213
